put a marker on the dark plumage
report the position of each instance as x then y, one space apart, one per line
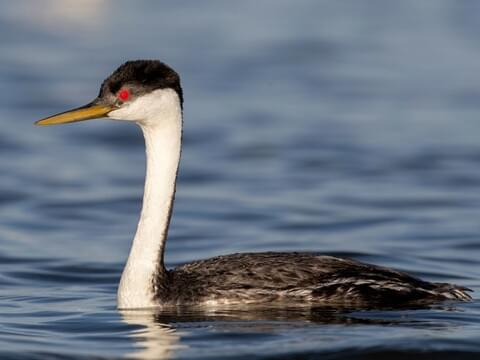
141 77
303 278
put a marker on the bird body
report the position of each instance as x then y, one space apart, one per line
148 92
294 277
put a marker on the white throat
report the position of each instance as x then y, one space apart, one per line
161 123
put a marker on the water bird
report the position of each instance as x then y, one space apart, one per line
148 93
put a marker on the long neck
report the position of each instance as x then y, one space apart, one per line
145 269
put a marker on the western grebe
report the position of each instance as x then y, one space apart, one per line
148 92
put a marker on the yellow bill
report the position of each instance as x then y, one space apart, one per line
87 112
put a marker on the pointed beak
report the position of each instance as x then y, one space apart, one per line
87 112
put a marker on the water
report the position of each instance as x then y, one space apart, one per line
350 128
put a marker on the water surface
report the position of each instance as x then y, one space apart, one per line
348 128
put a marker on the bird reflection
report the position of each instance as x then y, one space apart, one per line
158 334
153 339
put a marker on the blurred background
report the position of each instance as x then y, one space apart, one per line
349 128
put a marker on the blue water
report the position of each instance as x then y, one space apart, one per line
349 128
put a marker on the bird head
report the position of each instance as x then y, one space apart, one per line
138 91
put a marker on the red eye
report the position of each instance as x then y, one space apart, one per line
123 94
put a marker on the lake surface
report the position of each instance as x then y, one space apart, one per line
348 128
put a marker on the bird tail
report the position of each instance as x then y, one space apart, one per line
452 292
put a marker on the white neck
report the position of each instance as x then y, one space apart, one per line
145 268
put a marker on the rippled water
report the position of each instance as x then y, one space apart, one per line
350 128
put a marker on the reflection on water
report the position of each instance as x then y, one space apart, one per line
158 334
154 339
348 128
